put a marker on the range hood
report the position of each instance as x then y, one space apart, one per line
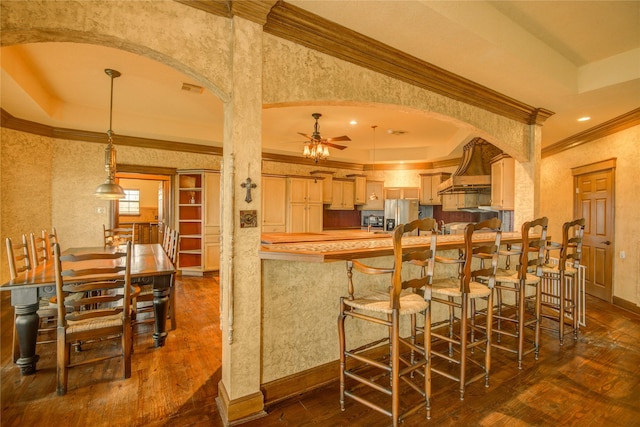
474 172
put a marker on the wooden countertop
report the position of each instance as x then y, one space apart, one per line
336 246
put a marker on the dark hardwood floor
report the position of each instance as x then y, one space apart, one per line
592 382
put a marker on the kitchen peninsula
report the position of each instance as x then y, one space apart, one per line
303 277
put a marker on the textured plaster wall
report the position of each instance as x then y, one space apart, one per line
48 182
319 77
25 181
557 200
191 41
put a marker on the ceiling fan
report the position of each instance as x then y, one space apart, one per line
317 139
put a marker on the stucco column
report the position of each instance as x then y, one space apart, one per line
527 177
239 395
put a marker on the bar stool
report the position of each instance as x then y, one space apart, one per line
560 288
510 318
360 369
449 351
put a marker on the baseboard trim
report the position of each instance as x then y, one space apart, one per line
239 411
627 305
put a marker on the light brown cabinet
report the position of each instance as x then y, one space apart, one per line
327 185
376 187
274 204
360 190
198 207
503 183
457 201
401 193
304 205
429 183
343 195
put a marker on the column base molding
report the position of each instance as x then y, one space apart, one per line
238 411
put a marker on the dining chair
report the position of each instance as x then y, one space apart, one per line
118 236
145 297
456 348
559 281
403 361
94 295
516 289
40 249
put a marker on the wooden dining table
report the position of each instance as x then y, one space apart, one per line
149 265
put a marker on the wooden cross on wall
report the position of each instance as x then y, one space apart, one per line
248 185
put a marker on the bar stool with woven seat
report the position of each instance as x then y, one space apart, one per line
449 352
511 318
360 371
559 285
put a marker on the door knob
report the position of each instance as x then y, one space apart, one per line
606 242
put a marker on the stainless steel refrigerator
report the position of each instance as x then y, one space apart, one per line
399 211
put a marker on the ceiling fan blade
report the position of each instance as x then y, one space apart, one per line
339 138
306 136
339 147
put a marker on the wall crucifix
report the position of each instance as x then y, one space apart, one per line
248 185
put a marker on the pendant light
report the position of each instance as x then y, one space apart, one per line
109 190
373 195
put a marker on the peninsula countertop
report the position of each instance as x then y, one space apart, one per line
352 244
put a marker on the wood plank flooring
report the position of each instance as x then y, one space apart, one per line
592 382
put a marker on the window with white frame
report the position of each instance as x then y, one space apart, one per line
130 205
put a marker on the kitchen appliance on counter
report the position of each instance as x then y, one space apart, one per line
400 211
375 221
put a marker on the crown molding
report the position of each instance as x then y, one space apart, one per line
307 29
10 122
615 125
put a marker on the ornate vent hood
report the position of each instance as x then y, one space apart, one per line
474 172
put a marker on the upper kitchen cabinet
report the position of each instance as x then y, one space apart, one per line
274 204
401 193
360 191
462 201
327 185
343 195
503 183
377 188
304 205
429 183
198 207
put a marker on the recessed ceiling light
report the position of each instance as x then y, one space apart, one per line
353 122
584 119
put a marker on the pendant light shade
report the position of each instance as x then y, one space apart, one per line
109 190
373 195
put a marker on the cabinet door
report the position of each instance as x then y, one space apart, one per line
297 190
314 191
348 195
377 188
212 203
212 252
336 190
274 206
297 218
503 184
360 193
314 218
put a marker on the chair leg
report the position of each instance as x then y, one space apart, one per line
538 314
341 338
427 355
487 355
127 348
463 343
562 290
63 357
395 367
520 291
